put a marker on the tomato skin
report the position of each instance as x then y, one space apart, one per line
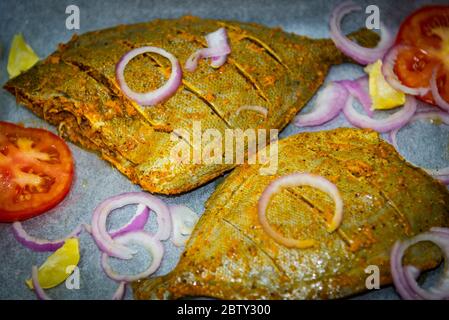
55 174
414 67
416 29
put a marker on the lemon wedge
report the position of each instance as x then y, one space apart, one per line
59 265
21 56
382 94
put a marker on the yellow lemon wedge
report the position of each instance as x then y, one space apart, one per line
21 56
382 94
59 265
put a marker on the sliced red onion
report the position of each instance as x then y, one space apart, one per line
183 221
41 245
292 180
87 227
262 110
404 278
119 294
153 97
442 173
40 293
443 179
390 76
328 105
192 61
440 230
424 107
218 39
360 54
218 50
137 222
443 104
359 88
389 123
103 238
146 240
401 285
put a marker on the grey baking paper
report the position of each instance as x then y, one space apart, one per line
43 24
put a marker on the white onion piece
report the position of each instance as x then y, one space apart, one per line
103 238
442 173
443 179
218 51
399 281
424 107
192 61
218 39
359 88
360 54
153 97
146 240
443 104
119 294
262 110
183 222
330 101
41 245
440 230
87 227
137 222
390 76
40 293
405 278
292 180
394 121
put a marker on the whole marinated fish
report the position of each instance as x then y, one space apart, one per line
75 89
385 199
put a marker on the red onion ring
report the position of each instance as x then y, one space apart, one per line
443 173
359 89
390 76
103 238
404 278
183 222
149 242
40 293
401 285
329 103
41 245
392 122
218 51
137 222
119 294
443 104
440 230
358 53
262 110
443 179
424 107
297 179
153 97
218 39
87 227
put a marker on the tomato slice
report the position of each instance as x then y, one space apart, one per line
426 31
36 171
